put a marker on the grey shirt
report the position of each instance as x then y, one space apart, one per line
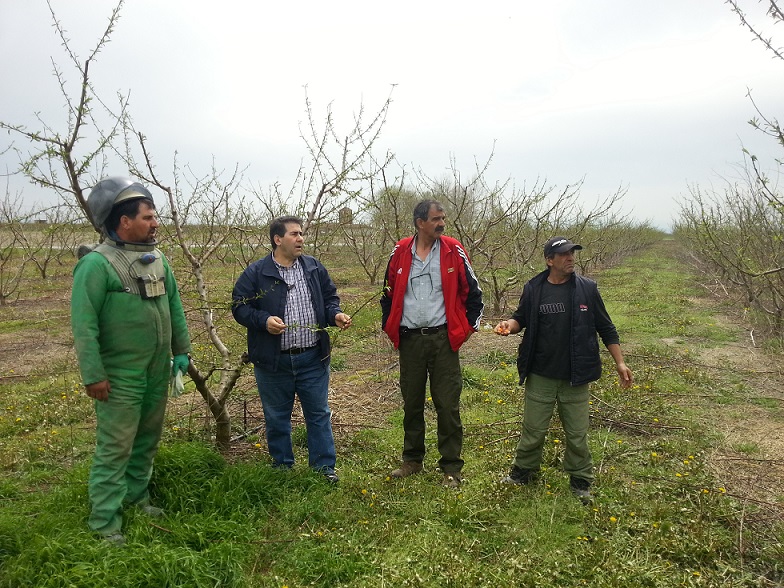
423 302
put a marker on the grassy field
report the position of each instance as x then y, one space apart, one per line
689 467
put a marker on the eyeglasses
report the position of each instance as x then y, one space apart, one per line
289 277
421 286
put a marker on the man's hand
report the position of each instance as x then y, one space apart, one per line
342 320
625 376
275 326
99 390
505 328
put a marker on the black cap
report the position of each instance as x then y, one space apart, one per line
559 245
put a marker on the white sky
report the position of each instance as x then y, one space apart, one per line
648 96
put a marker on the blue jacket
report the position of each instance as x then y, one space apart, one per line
260 292
589 317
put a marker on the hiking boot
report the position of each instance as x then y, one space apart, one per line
453 480
518 476
331 477
152 511
117 539
408 468
581 488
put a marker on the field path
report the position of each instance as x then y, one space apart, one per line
712 337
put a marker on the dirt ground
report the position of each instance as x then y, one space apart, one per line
25 350
750 460
355 400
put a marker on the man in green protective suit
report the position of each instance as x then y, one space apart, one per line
128 322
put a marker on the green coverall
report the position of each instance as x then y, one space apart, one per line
129 341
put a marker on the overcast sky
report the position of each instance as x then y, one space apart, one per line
646 96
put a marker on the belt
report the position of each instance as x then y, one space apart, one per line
422 330
297 350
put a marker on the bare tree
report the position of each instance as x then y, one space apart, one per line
208 211
735 233
384 217
212 218
12 258
774 11
339 166
204 213
736 238
503 227
47 234
55 163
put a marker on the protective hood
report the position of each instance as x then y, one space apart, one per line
109 192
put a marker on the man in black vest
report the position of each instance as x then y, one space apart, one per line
561 312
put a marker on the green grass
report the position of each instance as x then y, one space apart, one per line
659 518
13 326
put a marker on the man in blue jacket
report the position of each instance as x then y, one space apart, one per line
286 300
561 312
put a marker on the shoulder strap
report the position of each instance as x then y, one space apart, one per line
132 265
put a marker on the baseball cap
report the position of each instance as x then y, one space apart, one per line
559 245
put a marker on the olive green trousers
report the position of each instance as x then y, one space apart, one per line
541 396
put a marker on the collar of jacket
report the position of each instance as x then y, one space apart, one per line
542 276
127 246
444 241
268 267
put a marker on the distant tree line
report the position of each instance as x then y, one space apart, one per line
735 235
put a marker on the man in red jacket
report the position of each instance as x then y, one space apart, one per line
431 305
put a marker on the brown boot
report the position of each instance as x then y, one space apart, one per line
407 469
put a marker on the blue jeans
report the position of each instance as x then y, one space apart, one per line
306 376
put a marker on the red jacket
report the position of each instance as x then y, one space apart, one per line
462 294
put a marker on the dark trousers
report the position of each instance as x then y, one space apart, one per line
430 355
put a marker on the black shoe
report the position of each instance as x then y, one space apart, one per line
331 477
581 488
518 476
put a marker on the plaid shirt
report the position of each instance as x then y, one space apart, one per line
300 318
